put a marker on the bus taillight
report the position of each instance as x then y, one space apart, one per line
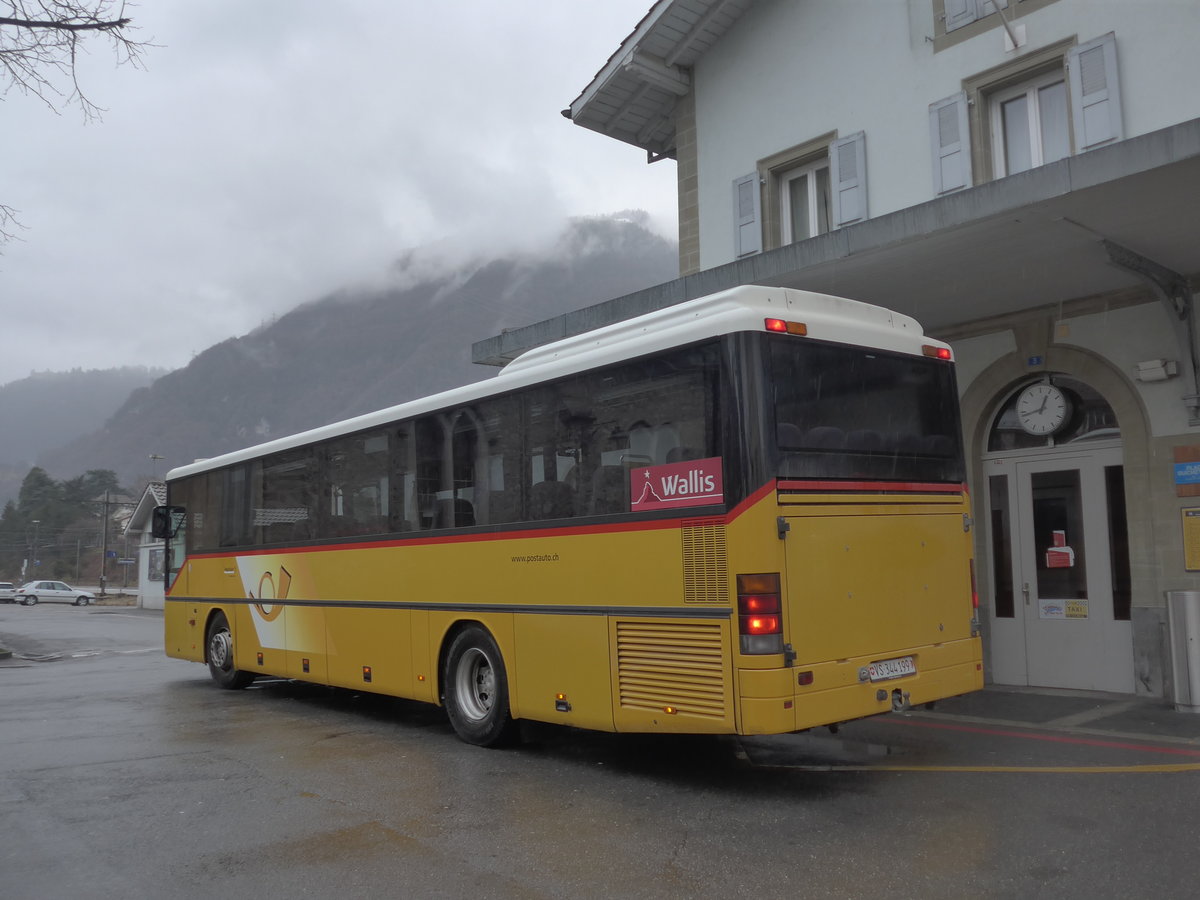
937 352
974 588
783 326
760 613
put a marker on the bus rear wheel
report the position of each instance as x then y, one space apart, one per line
219 645
476 689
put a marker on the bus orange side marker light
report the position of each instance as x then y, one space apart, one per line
561 703
260 658
670 710
420 678
191 623
367 674
304 665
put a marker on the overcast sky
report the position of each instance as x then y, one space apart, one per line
274 150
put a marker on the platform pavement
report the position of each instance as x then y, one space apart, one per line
1077 712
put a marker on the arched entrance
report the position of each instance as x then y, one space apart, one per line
1059 551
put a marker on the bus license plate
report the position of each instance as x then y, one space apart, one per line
887 669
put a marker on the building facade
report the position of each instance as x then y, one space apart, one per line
1020 176
151 551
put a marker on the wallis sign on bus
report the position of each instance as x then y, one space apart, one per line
696 482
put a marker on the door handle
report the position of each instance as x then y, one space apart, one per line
1025 591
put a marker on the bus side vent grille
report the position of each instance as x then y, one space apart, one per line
705 568
677 664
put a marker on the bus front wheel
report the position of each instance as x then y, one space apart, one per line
476 689
220 656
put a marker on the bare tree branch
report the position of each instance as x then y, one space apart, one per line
40 42
8 219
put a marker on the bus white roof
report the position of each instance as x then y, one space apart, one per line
743 308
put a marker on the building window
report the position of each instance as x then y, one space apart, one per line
804 201
1030 124
1049 104
805 191
963 12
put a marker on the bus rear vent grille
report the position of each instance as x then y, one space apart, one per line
705 568
677 664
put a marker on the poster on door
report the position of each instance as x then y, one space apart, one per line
1059 556
1063 609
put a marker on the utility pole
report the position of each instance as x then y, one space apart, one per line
104 544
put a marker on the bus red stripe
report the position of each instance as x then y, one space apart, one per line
896 487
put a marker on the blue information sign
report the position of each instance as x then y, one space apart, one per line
1187 473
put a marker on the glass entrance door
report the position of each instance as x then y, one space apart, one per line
1060 611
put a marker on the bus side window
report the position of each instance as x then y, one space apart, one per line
402 507
430 438
356 485
284 511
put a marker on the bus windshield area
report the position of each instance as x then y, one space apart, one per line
854 413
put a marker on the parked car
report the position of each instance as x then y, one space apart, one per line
56 591
7 592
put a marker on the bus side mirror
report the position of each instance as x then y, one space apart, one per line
166 521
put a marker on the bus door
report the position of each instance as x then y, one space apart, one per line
874 579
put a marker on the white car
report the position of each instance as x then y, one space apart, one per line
56 591
7 591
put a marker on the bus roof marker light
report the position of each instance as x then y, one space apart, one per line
782 326
937 352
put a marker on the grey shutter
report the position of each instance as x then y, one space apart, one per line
950 135
747 232
959 13
848 177
1095 93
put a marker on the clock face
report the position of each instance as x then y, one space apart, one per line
1042 409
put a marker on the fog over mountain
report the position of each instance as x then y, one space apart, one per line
47 409
363 348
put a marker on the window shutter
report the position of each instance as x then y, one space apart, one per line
1095 93
747 232
959 13
949 133
848 174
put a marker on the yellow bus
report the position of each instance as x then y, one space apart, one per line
745 513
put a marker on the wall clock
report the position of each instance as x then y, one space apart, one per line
1042 409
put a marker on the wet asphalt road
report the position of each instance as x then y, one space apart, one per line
127 774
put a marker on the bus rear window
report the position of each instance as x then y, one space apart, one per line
851 413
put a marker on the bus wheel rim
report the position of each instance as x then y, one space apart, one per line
476 682
219 648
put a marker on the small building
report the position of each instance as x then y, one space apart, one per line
1021 176
151 551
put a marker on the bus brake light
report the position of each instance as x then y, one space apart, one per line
760 619
937 352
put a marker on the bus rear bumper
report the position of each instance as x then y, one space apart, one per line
775 702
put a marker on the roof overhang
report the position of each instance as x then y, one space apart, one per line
1042 237
633 97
